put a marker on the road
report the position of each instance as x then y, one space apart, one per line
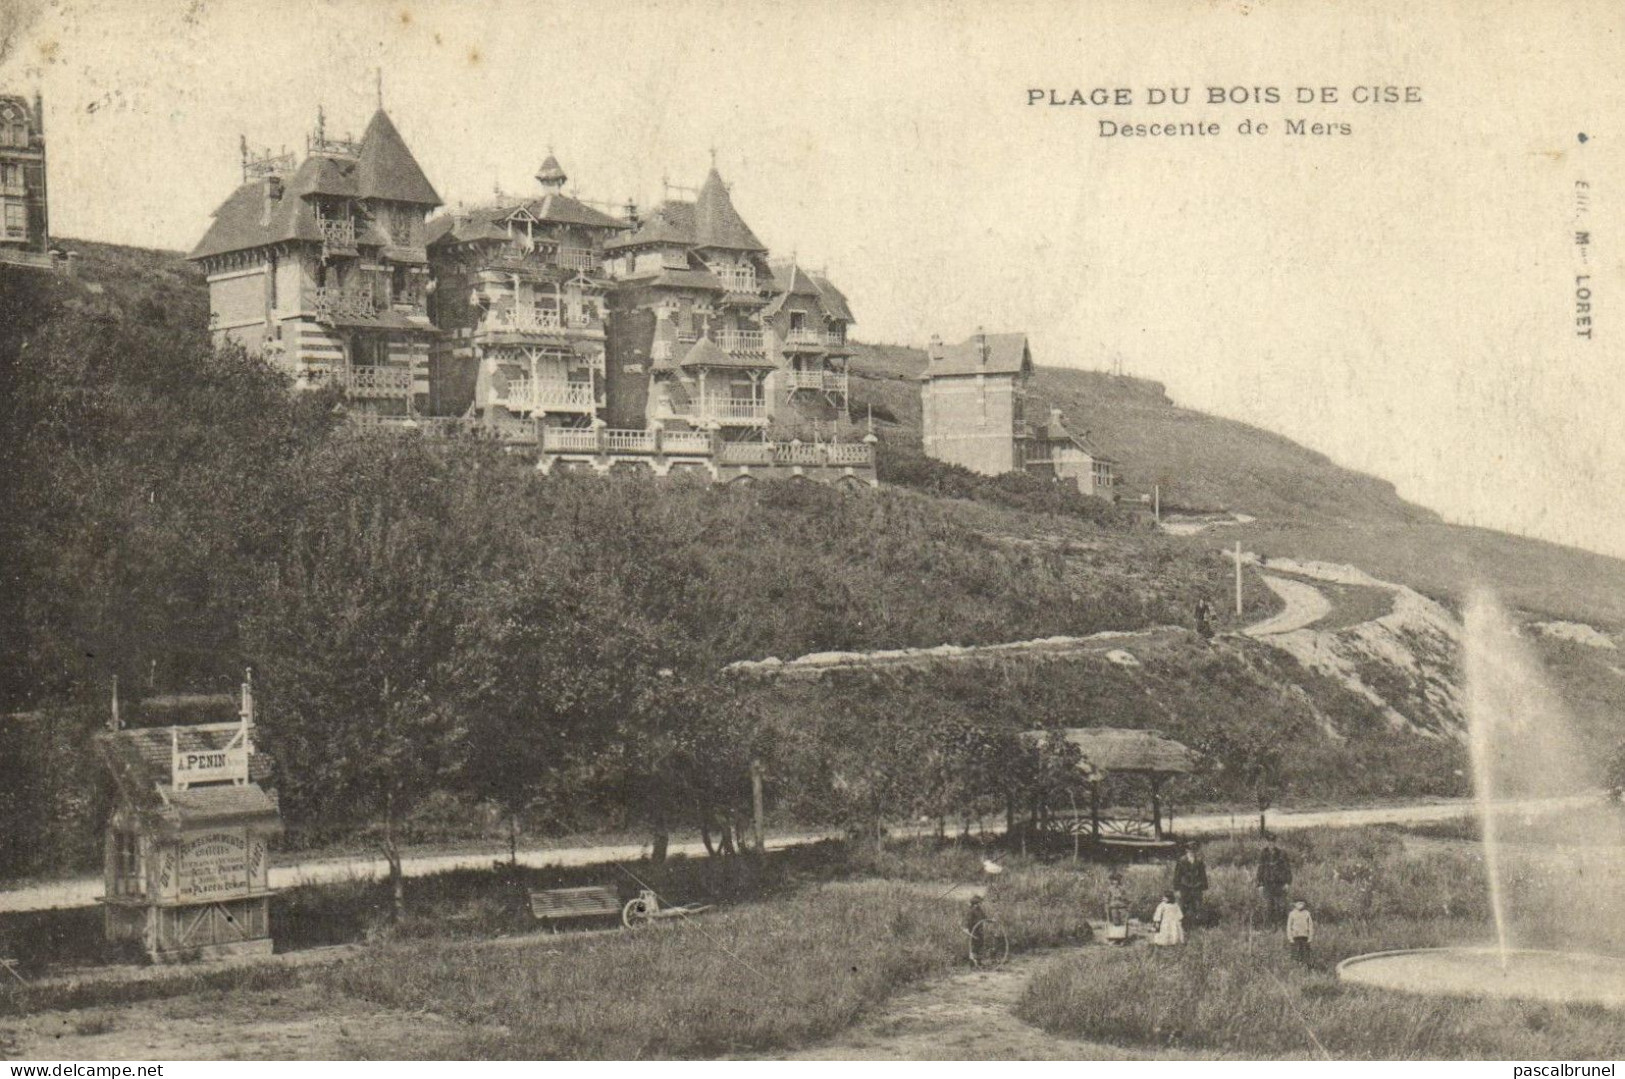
83 891
1305 605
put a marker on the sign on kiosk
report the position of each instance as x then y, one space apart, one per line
210 766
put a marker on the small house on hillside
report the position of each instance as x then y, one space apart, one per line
973 400
975 408
1052 450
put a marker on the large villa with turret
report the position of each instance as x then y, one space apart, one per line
590 336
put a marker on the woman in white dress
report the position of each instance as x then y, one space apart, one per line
1169 921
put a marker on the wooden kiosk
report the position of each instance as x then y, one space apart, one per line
1106 752
187 845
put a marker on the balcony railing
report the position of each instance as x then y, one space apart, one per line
804 337
736 280
570 439
520 320
338 233
576 258
857 454
739 340
374 381
332 303
732 409
817 381
701 444
547 395
685 442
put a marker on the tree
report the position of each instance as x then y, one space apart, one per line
354 633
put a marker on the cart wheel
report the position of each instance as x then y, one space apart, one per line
636 912
989 946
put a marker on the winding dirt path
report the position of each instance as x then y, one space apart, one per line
1305 605
966 1015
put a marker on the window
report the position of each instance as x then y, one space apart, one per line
798 320
16 220
13 126
11 174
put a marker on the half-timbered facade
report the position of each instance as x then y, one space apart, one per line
321 266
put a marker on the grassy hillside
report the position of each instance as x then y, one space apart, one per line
1306 506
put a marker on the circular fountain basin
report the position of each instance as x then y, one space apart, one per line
1569 977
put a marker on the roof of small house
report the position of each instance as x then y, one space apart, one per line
706 353
1053 430
789 279
717 223
669 223
383 169
709 221
1124 750
981 354
488 222
387 168
140 759
697 279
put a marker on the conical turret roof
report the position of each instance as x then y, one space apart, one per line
551 174
717 223
387 168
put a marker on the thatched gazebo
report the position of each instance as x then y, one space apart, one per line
1118 751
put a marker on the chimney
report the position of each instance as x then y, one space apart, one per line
1055 417
632 213
273 195
981 346
39 115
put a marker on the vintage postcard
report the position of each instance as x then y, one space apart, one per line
923 531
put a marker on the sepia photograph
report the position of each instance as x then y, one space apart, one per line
701 530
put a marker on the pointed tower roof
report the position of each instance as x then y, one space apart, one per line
387 168
551 174
717 223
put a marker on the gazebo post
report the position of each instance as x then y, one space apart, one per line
1094 808
1156 805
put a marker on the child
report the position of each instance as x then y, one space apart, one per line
1169 921
1116 910
1300 930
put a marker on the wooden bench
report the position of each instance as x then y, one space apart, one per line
559 904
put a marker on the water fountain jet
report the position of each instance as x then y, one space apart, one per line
1518 733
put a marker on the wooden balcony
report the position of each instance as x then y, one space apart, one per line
739 340
733 411
520 320
338 235
580 259
736 280
547 395
371 381
337 303
832 382
804 337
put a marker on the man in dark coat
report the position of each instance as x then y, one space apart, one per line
1274 875
1190 882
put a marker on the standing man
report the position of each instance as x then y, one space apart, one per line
1274 875
1190 882
1204 618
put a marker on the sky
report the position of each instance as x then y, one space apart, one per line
1401 298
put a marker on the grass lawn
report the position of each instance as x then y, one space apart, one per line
1234 990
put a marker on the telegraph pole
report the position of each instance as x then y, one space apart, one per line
1238 577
